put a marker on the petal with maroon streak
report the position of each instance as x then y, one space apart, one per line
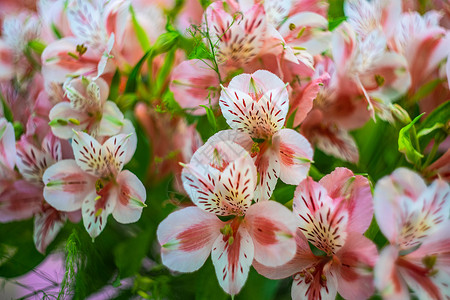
186 237
131 198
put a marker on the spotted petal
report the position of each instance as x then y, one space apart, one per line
268 166
313 286
355 191
96 209
187 237
237 184
232 260
322 219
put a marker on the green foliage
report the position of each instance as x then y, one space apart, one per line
408 143
18 255
140 32
210 117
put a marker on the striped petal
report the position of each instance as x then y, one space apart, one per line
322 219
47 224
232 259
96 209
7 145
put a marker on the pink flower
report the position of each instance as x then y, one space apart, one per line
96 183
332 215
87 110
256 106
220 180
415 220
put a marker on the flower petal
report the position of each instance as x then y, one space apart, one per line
64 120
268 166
66 185
322 220
88 154
339 143
47 224
19 200
96 210
7 144
314 288
131 198
356 192
232 260
112 120
186 237
356 257
237 184
295 153
272 228
303 258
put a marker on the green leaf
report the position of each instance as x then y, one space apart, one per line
127 264
211 117
165 42
405 144
133 77
425 90
427 131
140 32
440 115
290 120
333 23
164 72
115 84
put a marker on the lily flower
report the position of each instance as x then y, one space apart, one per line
332 215
256 105
415 220
95 182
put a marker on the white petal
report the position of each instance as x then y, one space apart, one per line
131 198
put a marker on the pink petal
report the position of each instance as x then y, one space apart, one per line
356 257
295 155
52 146
130 132
47 224
303 102
191 84
387 278
257 83
232 260
322 220
222 148
187 237
199 182
230 135
64 111
338 142
343 45
7 144
96 209
268 166
32 161
272 228
402 185
237 184
355 192
131 198
121 147
238 108
66 185
302 259
19 200
316 288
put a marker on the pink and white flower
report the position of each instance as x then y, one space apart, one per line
87 110
415 220
332 215
256 105
221 180
96 183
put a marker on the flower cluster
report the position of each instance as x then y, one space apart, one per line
304 139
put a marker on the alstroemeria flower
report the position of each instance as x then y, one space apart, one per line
332 215
256 105
220 180
87 110
86 53
96 183
415 220
364 65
